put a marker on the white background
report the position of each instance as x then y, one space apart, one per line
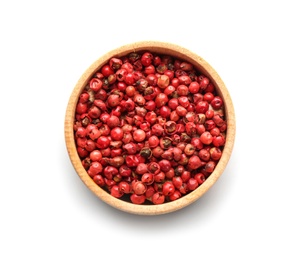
256 210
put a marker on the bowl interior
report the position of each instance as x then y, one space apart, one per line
201 65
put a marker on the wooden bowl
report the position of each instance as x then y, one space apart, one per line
201 65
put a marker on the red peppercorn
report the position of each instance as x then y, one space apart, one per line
215 153
176 195
115 152
115 144
98 179
168 188
139 135
147 178
141 168
159 177
164 111
139 187
157 152
209 124
80 132
107 70
202 107
103 142
113 100
169 90
186 175
217 102
189 149
157 130
210 166
170 127
186 66
194 87
125 171
200 178
165 142
150 192
163 81
116 192
84 97
218 140
82 152
95 155
104 130
116 133
115 63
210 88
208 96
203 81
146 59
138 199
165 165
150 105
95 168
177 153
209 114
90 145
152 79
184 101
81 108
183 160
184 79
215 131
95 84
110 171
124 187
131 160
130 148
153 141
139 99
116 161
106 152
127 66
206 138
109 183
192 184
158 198
112 121
194 162
200 128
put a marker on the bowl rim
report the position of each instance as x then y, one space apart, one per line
162 48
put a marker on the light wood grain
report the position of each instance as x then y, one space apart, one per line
201 65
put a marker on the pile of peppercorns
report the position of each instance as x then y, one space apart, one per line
149 127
